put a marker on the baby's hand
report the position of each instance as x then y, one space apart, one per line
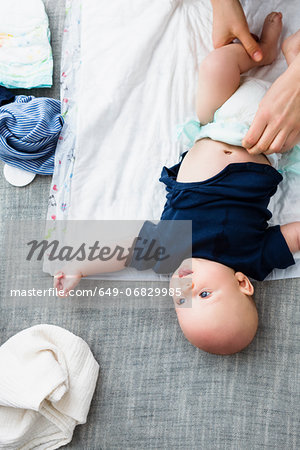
65 282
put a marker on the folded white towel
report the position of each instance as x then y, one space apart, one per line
47 380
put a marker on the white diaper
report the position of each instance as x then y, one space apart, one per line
242 106
233 119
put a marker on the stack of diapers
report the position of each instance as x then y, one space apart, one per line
25 51
47 381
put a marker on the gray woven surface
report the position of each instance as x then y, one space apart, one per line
155 390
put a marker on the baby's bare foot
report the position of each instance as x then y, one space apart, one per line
291 47
269 37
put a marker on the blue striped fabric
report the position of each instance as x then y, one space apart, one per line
29 131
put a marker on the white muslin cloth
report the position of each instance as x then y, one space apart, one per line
47 380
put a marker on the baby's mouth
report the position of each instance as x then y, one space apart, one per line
182 272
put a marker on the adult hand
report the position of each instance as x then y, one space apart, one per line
229 23
276 125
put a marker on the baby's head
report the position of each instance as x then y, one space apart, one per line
214 306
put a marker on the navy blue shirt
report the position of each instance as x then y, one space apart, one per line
229 221
6 96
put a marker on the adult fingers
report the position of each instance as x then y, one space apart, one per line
265 141
293 139
278 142
251 46
219 42
255 132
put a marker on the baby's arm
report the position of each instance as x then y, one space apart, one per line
291 233
68 278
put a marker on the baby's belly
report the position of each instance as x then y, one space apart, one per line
207 158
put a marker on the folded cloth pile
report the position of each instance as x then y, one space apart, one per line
29 131
47 380
25 51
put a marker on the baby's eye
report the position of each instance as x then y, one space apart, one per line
204 294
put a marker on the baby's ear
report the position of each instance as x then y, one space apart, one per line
245 284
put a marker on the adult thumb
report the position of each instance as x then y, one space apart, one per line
251 46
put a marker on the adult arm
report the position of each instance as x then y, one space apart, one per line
276 126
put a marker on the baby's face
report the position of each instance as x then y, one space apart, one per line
203 279
214 306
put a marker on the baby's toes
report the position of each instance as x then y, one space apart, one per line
272 28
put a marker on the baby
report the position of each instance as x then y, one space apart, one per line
225 191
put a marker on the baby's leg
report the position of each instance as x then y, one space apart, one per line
219 74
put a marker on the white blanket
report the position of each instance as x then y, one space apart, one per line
47 380
137 82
